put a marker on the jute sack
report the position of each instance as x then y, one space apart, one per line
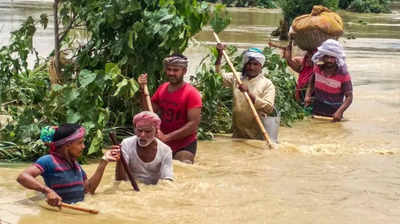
310 30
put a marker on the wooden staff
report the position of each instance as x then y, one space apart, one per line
246 95
124 164
92 211
322 117
148 100
271 44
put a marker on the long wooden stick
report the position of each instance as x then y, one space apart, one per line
125 164
322 117
246 95
92 211
272 44
148 100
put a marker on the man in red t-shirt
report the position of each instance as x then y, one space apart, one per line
179 105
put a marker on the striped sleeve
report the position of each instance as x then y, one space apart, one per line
347 85
43 163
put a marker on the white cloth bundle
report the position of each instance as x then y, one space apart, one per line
332 48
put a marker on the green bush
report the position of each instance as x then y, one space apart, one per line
123 39
293 8
247 3
344 4
369 6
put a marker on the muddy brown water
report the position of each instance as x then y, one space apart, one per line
347 172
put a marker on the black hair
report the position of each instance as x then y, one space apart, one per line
65 130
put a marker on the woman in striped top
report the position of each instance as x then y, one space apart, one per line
65 180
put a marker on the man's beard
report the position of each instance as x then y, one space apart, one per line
145 144
329 65
175 80
250 73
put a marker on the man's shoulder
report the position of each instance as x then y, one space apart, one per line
263 78
130 140
191 92
162 146
190 87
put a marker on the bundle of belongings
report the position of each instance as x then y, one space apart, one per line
310 30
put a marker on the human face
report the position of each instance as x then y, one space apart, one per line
252 68
175 74
76 147
329 61
145 131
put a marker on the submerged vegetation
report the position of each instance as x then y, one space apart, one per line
217 100
97 87
247 3
299 7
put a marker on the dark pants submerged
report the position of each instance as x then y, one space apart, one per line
324 108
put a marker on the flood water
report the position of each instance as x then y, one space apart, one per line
325 173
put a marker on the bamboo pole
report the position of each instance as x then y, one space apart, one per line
272 44
125 164
56 39
246 95
148 100
92 211
322 117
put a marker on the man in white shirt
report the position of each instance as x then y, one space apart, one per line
260 89
147 157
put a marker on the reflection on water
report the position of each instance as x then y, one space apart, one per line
323 172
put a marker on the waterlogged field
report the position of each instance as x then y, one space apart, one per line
323 172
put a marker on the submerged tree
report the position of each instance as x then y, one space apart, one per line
109 44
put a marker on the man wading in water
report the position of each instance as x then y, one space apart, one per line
148 158
260 89
179 105
330 83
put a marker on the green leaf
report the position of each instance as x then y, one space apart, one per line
130 39
220 18
44 20
112 69
120 85
103 118
88 125
71 95
134 87
73 117
96 142
86 77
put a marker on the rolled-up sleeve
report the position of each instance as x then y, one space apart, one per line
264 102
